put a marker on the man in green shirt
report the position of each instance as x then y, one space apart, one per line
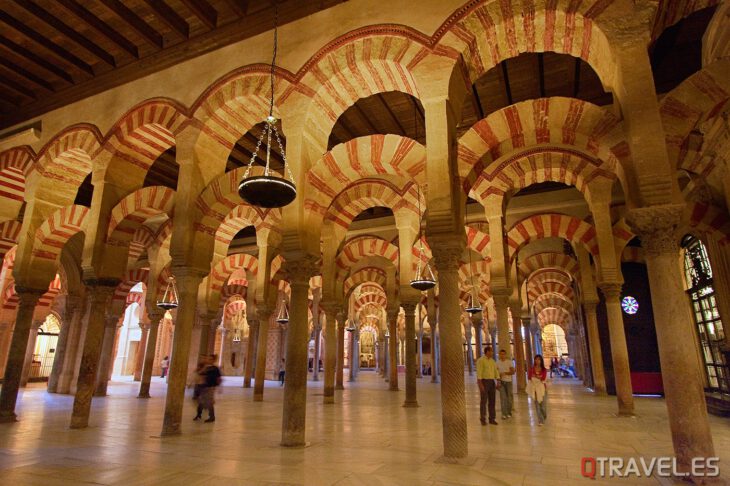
488 381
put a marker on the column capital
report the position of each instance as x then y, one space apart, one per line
446 252
501 296
656 227
477 320
263 312
101 291
155 316
392 313
409 308
329 307
181 272
611 290
28 296
111 321
301 269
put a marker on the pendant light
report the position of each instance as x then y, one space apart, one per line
283 317
169 298
269 190
424 279
473 307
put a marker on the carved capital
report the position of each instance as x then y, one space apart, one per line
446 252
610 290
392 313
501 297
111 321
656 227
28 297
409 308
301 270
100 294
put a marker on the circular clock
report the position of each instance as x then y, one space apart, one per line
629 305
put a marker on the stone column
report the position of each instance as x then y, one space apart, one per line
453 406
330 352
155 317
101 292
685 397
434 355
519 351
70 305
28 298
250 351
537 336
352 352
393 348
204 343
340 372
410 346
74 318
419 348
477 323
264 317
295 386
188 281
317 338
594 344
501 304
105 359
529 356
139 359
468 349
619 351
386 358
6 335
28 361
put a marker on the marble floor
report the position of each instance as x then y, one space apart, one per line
367 438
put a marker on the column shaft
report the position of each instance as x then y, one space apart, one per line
501 303
330 355
250 352
469 349
477 323
315 364
411 363
529 356
393 349
594 343
149 355
101 293
619 350
340 372
63 343
105 358
28 361
264 316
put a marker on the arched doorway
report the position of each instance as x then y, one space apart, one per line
368 338
45 347
554 343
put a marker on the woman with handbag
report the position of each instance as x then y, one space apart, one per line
537 388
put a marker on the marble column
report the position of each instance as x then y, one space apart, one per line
529 356
295 387
100 294
393 348
434 355
453 404
410 351
683 389
386 357
30 348
317 339
537 337
340 370
27 300
204 343
501 305
330 353
139 359
71 303
469 349
493 336
155 317
253 333
68 368
188 281
619 350
477 323
6 335
519 351
105 358
264 317
352 352
594 344
419 348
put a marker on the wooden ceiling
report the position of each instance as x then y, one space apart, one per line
53 53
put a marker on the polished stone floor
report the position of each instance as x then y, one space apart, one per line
367 438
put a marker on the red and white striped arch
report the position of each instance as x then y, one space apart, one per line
363 276
368 193
15 165
131 278
708 221
9 232
132 211
550 123
371 298
56 230
142 239
488 32
361 158
222 270
535 289
669 13
365 246
551 260
554 315
240 217
551 275
478 241
234 287
233 308
551 225
140 136
10 297
544 301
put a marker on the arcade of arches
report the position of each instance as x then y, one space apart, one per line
544 155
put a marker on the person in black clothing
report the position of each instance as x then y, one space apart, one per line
210 376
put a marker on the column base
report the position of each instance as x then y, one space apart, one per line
170 433
295 445
339 387
413 404
393 388
79 422
626 414
463 461
7 418
100 394
247 385
143 395
329 400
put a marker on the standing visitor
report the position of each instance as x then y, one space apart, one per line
506 370
537 388
210 379
487 379
282 371
164 364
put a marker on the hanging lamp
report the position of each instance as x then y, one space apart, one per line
283 317
473 307
169 298
269 190
424 279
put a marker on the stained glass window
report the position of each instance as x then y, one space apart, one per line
629 305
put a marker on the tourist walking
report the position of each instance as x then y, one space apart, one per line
165 365
210 378
282 372
537 388
488 380
506 370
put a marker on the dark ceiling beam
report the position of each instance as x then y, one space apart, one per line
27 75
240 7
366 118
576 78
169 17
42 41
21 51
4 101
541 72
392 115
203 11
507 88
100 26
67 31
477 102
21 90
135 22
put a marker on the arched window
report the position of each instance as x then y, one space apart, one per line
698 275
